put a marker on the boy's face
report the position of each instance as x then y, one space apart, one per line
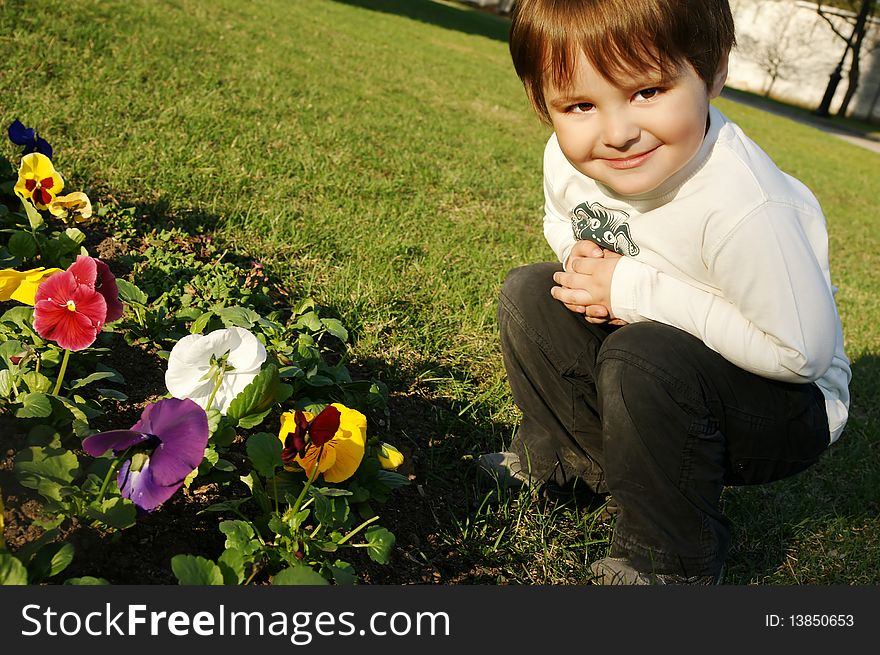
632 137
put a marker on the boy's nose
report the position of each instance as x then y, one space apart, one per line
618 130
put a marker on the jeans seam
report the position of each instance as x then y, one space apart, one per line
511 309
647 367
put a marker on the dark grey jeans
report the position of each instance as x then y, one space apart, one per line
651 415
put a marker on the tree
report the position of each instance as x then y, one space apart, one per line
853 45
776 58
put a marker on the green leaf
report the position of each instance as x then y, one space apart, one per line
9 349
94 377
64 245
118 512
6 383
392 479
320 381
335 491
331 512
309 321
86 581
12 572
22 245
201 322
50 560
252 480
34 405
75 234
379 544
22 316
35 219
37 463
299 575
130 293
37 382
335 327
257 397
239 535
44 435
253 420
264 451
238 317
225 506
195 570
232 563
113 394
290 372
285 482
343 573
214 418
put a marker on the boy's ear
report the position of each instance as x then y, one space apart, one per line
720 77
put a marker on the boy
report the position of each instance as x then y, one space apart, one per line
700 345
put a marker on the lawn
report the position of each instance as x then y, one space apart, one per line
379 157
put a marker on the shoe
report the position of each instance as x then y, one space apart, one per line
505 468
619 571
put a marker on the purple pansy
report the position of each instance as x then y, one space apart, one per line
28 137
167 444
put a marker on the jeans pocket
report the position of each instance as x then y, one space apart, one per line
773 450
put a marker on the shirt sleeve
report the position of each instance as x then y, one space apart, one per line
775 316
557 219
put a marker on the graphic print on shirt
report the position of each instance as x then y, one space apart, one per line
605 227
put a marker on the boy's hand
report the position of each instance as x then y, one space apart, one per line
587 288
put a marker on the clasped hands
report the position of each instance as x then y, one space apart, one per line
586 288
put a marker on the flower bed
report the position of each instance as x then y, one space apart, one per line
259 423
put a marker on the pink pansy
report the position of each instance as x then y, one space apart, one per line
68 313
106 286
96 274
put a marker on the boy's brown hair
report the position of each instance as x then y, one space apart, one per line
618 37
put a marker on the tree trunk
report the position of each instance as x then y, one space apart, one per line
854 71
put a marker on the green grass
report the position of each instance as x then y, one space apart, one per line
380 156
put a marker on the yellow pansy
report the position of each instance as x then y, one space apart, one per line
22 285
74 205
38 181
389 457
341 455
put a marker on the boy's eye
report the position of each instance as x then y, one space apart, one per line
648 94
581 108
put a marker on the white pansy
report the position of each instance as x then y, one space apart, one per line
196 361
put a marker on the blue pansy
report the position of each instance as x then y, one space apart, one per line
28 137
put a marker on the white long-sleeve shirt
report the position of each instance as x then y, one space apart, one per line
730 249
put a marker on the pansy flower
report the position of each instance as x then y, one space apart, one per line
96 274
38 181
389 457
164 446
337 457
22 285
215 367
74 206
28 137
68 313
72 306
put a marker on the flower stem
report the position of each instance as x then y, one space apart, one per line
109 476
216 386
61 373
357 529
302 494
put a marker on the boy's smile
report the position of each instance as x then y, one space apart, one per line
635 136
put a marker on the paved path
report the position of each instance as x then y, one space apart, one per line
867 141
